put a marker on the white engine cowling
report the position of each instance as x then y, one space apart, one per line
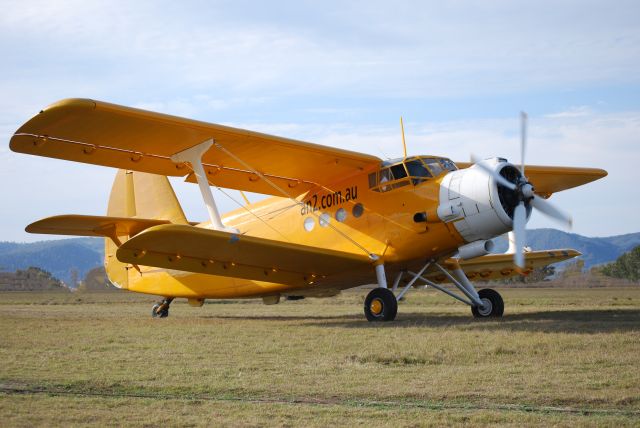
486 208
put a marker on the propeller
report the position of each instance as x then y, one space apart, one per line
526 195
500 179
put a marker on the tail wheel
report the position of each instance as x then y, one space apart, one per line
380 305
493 305
160 310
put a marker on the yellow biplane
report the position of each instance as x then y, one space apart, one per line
336 219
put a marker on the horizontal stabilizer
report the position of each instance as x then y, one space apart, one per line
88 225
500 266
194 249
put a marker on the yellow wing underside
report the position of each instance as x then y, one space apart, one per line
106 134
500 266
551 179
198 250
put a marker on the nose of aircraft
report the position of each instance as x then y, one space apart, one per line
484 206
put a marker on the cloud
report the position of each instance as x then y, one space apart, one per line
579 111
411 50
333 73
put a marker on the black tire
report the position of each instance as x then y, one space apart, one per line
494 302
156 312
380 305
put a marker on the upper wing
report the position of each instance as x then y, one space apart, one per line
500 266
194 249
552 179
100 133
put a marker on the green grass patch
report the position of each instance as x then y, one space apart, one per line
559 356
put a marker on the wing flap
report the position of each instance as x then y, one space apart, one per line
87 225
194 249
551 179
107 134
500 266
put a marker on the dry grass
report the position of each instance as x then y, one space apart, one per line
558 357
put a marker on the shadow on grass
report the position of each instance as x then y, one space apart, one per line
580 321
570 321
284 317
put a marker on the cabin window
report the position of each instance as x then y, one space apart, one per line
357 210
390 177
373 180
309 224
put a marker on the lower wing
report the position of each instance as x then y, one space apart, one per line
194 249
500 266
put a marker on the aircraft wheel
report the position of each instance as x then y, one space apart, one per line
493 304
380 305
158 311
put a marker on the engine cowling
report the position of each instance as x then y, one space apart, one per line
485 207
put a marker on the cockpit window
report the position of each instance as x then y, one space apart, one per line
398 173
417 171
434 166
448 164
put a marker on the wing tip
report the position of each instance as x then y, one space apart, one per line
75 103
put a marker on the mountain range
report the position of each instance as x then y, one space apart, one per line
595 251
70 259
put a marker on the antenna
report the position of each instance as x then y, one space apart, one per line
404 144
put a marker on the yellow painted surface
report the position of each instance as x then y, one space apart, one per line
551 179
90 225
107 134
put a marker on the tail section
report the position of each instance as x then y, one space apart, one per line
142 196
138 201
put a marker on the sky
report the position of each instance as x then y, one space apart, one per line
339 73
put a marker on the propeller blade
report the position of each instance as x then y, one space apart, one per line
500 179
523 140
519 230
549 209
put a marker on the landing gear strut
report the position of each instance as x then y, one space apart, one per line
161 309
381 303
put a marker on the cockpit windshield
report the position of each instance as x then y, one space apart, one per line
402 172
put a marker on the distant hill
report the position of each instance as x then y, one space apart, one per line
31 279
59 257
594 251
62 257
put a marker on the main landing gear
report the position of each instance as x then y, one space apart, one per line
493 305
161 309
381 303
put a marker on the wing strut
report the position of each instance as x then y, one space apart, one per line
193 156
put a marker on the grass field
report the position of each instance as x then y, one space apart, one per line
558 357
